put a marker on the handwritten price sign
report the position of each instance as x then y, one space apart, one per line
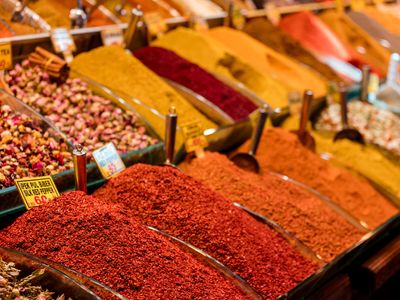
195 139
5 57
108 161
36 191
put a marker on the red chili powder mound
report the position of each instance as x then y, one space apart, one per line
281 151
320 228
173 67
101 241
169 200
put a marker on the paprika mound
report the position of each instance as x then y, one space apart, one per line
167 199
101 241
280 151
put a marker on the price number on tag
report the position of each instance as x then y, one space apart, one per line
195 139
5 56
108 161
36 191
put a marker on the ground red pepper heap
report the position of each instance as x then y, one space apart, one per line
167 199
320 228
101 241
174 67
281 151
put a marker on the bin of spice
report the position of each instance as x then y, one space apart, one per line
30 23
101 241
24 277
30 146
167 199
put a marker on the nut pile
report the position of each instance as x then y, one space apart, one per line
86 118
27 150
378 126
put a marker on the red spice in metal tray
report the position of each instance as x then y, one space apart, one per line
101 241
174 67
281 152
167 199
304 215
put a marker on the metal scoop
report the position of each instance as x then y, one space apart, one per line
18 13
171 121
304 136
78 16
347 132
248 161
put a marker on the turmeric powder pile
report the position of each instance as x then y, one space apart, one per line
268 61
213 56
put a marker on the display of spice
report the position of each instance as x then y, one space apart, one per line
365 47
280 151
364 160
383 16
56 13
86 118
120 71
27 150
385 38
173 67
320 228
268 61
164 8
167 199
102 242
12 286
9 28
378 126
201 8
274 37
213 56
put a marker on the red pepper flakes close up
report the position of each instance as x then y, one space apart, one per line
101 241
167 199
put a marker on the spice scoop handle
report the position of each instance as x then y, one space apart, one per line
366 70
171 121
79 155
343 106
136 17
305 110
257 133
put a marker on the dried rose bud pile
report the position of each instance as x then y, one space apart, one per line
86 118
27 150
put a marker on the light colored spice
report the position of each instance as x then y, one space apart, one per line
120 71
215 57
268 61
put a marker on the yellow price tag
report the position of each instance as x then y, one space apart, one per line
195 139
5 56
36 191
108 161
156 24
357 4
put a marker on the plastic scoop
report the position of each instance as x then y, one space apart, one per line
304 136
248 161
347 132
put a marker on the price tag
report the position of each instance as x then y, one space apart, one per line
273 13
238 19
36 191
5 56
357 4
112 36
199 24
195 139
156 24
108 161
63 43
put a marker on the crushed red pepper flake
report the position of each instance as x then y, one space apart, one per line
101 241
167 199
281 152
304 215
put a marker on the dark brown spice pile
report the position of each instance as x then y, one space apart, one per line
302 214
101 241
275 38
281 152
167 199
